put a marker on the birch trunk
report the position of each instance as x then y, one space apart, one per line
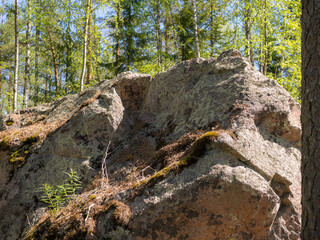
36 60
166 34
211 29
27 66
195 24
16 59
85 44
90 38
265 43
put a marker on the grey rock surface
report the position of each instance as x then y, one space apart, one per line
244 184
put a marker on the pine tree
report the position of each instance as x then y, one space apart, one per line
310 120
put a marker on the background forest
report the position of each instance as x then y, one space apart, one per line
64 46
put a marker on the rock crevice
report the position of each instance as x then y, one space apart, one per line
209 149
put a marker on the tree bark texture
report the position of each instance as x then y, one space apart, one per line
27 65
212 13
36 60
265 42
195 25
10 86
1 40
16 58
54 59
310 120
90 43
85 44
158 32
166 32
248 33
118 33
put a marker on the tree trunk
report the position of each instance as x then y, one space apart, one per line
16 58
1 40
36 60
49 88
54 59
195 25
85 43
265 42
0 77
158 32
46 90
90 39
117 25
129 40
166 32
247 27
211 29
9 95
27 66
310 92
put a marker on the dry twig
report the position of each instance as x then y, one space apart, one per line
104 170
89 212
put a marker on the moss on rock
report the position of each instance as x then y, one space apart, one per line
9 122
197 149
31 139
4 145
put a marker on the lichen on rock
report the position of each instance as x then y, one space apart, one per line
206 150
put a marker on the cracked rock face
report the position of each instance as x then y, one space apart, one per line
243 184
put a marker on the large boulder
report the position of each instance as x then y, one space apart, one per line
209 149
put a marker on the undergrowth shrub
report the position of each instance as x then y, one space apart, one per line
57 196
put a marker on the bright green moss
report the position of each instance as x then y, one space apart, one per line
18 157
92 197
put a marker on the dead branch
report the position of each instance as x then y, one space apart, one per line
104 170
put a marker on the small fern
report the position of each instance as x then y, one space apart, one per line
57 196
73 183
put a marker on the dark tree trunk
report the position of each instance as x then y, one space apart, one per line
310 120
46 90
0 76
1 37
118 34
129 31
248 32
158 32
54 59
